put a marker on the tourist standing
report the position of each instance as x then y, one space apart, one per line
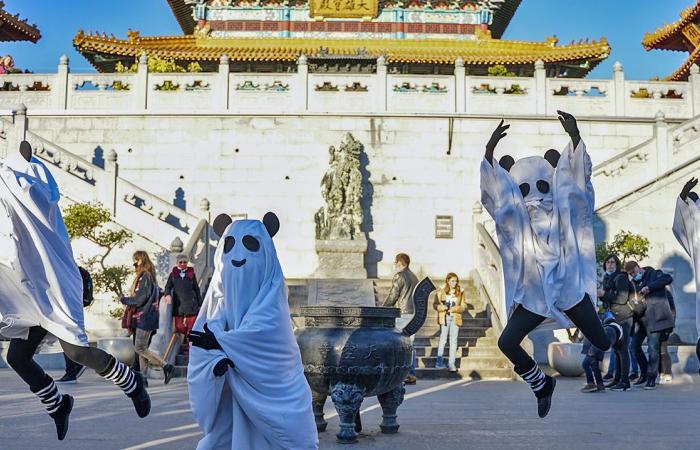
145 297
450 304
614 294
182 290
650 284
400 296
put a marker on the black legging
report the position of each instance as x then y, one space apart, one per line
522 322
21 353
622 352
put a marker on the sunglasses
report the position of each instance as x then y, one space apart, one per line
182 262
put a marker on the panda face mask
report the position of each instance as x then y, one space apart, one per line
534 176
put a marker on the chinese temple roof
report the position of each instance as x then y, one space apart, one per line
503 13
670 36
682 35
12 28
104 51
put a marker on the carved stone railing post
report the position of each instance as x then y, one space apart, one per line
176 247
381 84
107 188
619 89
59 88
540 88
140 88
301 96
694 89
661 135
221 96
19 118
460 85
477 211
204 206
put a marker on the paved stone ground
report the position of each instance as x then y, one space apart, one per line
440 415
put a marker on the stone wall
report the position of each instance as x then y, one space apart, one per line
252 164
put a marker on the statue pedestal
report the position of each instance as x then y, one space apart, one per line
341 258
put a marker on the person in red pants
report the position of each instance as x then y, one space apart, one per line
183 291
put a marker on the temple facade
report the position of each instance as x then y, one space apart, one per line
13 28
414 37
682 35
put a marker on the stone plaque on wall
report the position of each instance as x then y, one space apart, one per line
443 227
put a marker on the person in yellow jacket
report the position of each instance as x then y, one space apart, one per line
450 304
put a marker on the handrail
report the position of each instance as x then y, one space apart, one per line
489 269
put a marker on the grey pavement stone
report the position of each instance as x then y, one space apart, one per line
436 414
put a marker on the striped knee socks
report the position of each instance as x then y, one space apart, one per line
535 378
121 375
50 397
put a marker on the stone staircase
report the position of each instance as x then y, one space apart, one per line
478 356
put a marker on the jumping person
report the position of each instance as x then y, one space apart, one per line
685 227
543 209
41 288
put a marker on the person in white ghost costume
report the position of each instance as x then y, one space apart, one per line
246 380
543 209
686 228
41 289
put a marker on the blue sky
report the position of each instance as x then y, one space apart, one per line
622 22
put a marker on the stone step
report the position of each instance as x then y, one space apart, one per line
478 351
463 332
461 341
475 374
472 362
467 322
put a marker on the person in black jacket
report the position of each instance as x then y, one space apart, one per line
650 284
144 297
615 294
182 290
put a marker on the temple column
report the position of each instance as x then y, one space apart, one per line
380 98
301 93
619 90
140 87
460 86
540 88
60 85
694 89
222 83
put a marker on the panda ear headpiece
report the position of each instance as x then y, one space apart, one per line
552 156
506 162
270 220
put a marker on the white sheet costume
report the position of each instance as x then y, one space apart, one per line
35 253
265 401
686 224
545 236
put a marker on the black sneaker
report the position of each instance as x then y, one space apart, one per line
641 381
612 383
140 397
651 384
168 370
634 376
608 376
621 387
61 416
67 379
544 396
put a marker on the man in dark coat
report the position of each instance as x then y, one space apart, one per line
650 284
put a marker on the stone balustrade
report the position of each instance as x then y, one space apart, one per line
83 181
361 93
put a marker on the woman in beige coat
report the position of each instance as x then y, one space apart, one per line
450 304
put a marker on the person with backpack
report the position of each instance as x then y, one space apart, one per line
144 299
182 290
614 294
650 288
73 369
